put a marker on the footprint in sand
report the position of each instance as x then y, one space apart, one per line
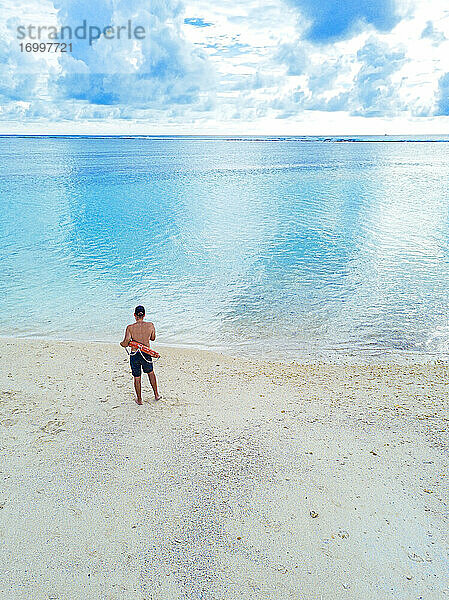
343 534
53 427
417 558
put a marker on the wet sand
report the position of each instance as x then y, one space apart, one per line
248 480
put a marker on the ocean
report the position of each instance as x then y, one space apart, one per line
280 247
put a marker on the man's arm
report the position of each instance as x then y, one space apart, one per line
127 338
152 333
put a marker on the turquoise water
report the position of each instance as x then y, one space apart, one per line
286 246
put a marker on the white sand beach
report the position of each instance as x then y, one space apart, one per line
248 480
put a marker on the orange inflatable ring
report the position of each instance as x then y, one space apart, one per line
142 348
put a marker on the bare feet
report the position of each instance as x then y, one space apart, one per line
139 401
158 397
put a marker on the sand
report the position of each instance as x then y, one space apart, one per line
248 480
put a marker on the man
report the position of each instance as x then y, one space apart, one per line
141 331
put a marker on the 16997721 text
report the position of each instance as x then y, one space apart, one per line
45 47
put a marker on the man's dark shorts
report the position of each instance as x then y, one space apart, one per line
140 361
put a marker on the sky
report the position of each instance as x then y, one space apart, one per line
278 67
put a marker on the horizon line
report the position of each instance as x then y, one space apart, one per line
321 137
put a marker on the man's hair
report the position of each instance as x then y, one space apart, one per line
139 311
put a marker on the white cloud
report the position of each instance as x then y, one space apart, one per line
257 65
376 93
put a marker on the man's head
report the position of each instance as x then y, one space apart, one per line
139 312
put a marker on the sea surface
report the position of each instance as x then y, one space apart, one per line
282 247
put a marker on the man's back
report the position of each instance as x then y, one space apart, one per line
142 331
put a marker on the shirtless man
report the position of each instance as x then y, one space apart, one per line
141 331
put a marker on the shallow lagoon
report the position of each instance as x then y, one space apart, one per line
290 247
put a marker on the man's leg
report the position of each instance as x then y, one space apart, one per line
138 388
152 378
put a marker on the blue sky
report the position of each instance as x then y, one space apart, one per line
234 66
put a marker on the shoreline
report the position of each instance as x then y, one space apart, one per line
250 478
326 356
